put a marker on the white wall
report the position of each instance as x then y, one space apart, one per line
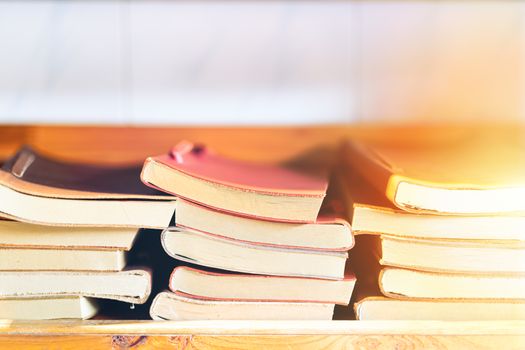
260 62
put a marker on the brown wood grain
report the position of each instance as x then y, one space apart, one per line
262 335
306 342
238 328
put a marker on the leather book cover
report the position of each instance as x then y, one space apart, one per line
482 167
202 163
31 173
266 191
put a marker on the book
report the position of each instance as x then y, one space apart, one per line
37 189
329 232
214 285
15 259
453 256
370 219
412 284
382 308
47 308
371 213
131 286
262 191
456 172
174 306
203 249
14 234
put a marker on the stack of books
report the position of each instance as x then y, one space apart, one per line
449 211
65 233
252 239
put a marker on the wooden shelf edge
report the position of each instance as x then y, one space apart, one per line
63 327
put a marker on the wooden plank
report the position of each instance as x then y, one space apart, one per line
262 335
304 342
75 327
57 342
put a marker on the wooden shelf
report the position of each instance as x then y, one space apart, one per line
263 334
125 145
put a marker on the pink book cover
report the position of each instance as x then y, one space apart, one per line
349 276
204 164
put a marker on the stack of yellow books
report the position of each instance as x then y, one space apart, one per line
449 213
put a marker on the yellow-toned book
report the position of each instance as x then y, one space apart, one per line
371 219
382 308
454 171
179 307
47 308
459 256
413 284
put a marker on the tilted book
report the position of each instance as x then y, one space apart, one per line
38 189
262 191
370 212
476 171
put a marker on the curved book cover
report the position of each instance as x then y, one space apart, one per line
268 192
40 190
454 171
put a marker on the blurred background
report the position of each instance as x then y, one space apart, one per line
251 62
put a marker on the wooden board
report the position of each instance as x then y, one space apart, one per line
263 335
